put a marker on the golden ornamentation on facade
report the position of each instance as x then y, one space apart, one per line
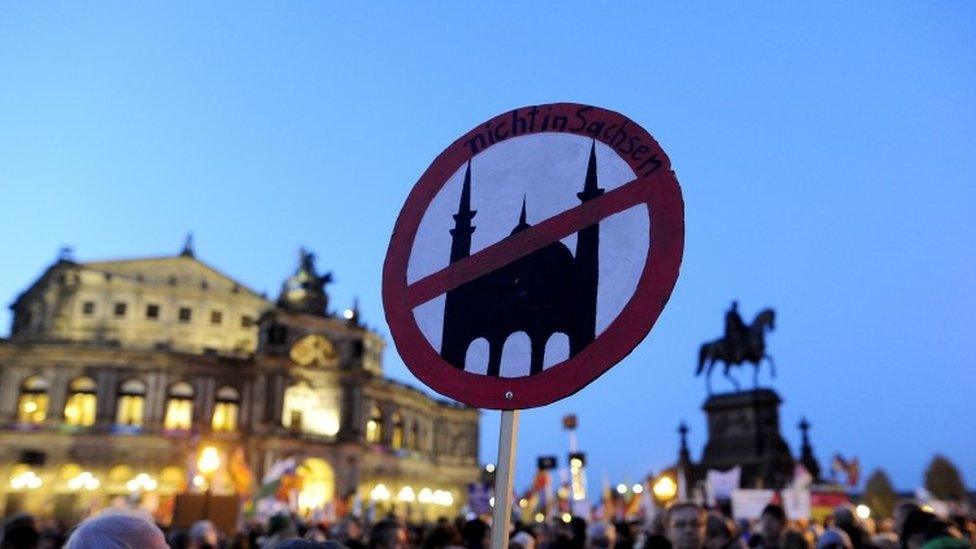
314 350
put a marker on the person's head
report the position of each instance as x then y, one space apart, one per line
901 512
443 535
117 529
793 539
282 526
203 535
19 532
475 533
388 534
522 540
601 534
844 517
914 528
348 529
719 531
686 526
834 538
772 521
296 543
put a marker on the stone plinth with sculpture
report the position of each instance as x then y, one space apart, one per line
743 425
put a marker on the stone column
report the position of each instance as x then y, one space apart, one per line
57 395
107 380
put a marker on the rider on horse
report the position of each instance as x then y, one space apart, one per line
736 334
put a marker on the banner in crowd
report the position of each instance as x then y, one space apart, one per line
748 504
479 498
796 503
721 484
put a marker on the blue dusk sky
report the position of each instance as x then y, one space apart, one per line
826 153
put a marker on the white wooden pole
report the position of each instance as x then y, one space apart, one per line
504 470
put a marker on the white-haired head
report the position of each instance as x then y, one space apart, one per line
203 533
117 529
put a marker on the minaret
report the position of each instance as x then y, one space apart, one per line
461 233
453 343
522 224
587 265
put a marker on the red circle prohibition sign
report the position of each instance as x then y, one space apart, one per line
655 186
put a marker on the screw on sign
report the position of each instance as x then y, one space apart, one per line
534 253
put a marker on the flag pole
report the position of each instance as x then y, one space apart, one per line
502 513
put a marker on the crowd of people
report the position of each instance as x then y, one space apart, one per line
682 526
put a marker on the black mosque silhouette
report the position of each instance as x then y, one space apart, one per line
549 291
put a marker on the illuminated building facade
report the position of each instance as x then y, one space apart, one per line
117 374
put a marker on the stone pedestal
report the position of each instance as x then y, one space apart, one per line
743 429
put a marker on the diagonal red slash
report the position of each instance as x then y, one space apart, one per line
525 242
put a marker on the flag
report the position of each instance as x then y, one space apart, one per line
853 472
276 476
240 473
851 469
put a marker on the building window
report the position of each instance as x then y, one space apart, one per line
396 438
152 312
132 403
225 409
120 309
374 426
32 405
415 436
216 317
185 314
179 407
277 334
247 321
88 308
79 408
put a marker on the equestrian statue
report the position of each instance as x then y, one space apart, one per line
740 344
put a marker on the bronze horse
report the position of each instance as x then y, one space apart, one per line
749 346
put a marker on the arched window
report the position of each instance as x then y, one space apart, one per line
516 356
415 435
374 426
557 350
179 407
396 440
79 408
227 403
32 405
299 398
131 406
476 357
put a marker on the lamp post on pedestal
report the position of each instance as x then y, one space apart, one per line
208 464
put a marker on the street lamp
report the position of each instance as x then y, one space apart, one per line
208 464
665 488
